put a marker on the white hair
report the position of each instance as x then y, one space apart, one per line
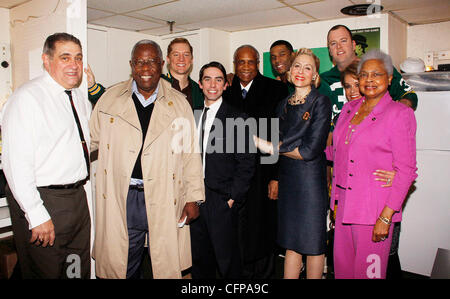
148 42
378 55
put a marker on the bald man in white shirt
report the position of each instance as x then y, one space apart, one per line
46 164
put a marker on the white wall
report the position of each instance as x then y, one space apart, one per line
109 53
5 55
211 44
430 37
397 40
32 22
4 26
29 33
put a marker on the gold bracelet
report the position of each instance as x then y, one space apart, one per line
385 220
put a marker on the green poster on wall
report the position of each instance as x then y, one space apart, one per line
366 39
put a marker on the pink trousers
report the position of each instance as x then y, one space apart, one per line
356 256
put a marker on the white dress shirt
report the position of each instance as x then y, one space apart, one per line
41 142
247 88
213 108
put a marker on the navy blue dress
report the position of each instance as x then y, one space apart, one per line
303 196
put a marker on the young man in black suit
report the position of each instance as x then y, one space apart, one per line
258 97
228 167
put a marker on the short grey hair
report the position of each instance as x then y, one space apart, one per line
378 55
148 42
246 46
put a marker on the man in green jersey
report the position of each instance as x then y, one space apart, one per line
341 47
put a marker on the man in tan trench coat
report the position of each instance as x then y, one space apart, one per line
154 181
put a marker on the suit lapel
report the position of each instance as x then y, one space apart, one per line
373 116
162 115
219 118
127 110
344 120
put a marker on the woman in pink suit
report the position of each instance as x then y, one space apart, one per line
372 133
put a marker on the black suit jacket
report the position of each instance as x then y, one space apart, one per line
260 103
258 217
229 169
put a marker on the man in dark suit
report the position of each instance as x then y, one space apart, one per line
258 97
228 171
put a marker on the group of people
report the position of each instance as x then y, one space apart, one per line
205 202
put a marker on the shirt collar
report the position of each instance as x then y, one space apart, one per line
247 87
214 107
54 87
141 98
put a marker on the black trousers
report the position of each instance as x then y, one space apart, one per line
214 240
137 225
69 257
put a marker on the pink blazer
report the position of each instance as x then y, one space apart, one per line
385 139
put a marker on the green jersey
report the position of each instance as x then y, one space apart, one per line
398 89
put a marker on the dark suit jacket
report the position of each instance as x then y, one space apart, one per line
258 217
228 173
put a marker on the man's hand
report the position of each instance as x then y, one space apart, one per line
190 210
230 203
43 234
263 145
273 190
406 102
89 76
230 77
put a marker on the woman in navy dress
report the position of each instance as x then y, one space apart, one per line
305 118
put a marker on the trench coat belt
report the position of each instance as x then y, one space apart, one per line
137 187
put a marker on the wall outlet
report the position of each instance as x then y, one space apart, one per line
443 54
5 73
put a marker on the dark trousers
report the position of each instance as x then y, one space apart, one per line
69 257
137 225
214 239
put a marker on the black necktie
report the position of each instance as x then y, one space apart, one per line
205 112
244 93
80 131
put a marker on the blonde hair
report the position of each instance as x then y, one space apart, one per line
308 52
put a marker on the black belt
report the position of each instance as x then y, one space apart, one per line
137 187
67 186
340 187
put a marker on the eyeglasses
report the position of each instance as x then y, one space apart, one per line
374 75
151 62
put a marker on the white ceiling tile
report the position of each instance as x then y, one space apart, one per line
138 15
426 14
126 23
121 6
327 9
12 3
150 16
298 2
94 14
164 30
255 20
391 5
190 11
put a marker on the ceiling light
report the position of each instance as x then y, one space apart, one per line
362 9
